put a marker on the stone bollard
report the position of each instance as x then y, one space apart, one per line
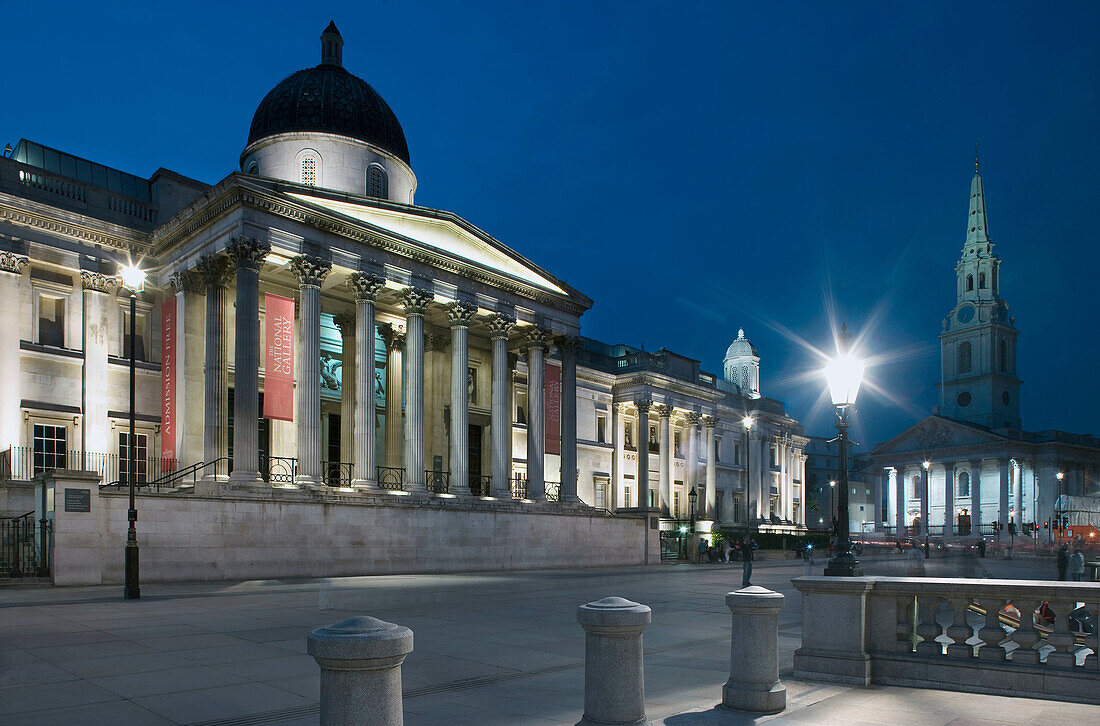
614 674
754 652
360 661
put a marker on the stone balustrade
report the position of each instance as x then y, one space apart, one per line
982 636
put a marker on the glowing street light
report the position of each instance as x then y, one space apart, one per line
747 422
133 278
844 375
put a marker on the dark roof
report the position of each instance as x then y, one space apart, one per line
328 99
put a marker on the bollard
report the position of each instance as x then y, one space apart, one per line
360 661
754 652
614 674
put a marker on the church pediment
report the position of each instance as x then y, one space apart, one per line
936 432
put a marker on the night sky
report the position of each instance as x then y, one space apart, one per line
692 167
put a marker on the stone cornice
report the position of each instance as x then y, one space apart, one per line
48 219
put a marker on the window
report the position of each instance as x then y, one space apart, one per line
718 505
309 170
775 456
141 461
676 446
50 447
676 505
718 449
377 184
628 435
253 168
626 496
981 280
964 484
736 509
1004 356
141 326
969 283
916 488
51 320
737 454
521 407
601 428
601 495
964 357
994 274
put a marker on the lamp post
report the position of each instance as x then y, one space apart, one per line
832 506
1061 476
844 374
747 422
692 498
134 280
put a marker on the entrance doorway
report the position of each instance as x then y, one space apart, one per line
963 523
473 447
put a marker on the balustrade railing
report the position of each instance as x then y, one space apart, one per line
481 485
21 463
24 547
438 482
553 491
519 488
390 477
278 469
337 473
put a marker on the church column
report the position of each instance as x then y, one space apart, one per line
617 455
784 481
642 440
459 315
569 345
395 345
311 272
500 428
925 480
11 283
365 287
97 307
882 485
948 499
345 323
415 301
1004 465
535 344
709 422
976 498
664 476
248 255
215 272
901 478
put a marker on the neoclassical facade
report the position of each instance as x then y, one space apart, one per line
305 325
970 466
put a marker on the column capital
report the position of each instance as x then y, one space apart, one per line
97 281
499 324
393 337
365 285
643 405
710 421
949 466
11 262
345 324
536 337
693 418
569 344
188 281
214 270
434 342
248 252
311 271
459 314
662 410
415 300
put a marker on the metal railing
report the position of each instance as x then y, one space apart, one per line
278 469
89 198
22 463
438 482
390 477
519 488
481 485
24 547
187 475
553 491
337 473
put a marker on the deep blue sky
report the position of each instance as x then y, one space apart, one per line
692 167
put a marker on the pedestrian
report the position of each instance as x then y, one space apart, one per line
1077 565
914 562
1063 561
702 549
981 547
810 553
746 561
725 550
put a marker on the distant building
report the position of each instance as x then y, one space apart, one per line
821 485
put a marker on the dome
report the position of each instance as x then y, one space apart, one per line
741 346
328 99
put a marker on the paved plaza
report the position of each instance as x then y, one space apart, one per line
502 648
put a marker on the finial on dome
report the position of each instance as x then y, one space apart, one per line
740 333
332 46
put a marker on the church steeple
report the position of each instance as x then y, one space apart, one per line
976 231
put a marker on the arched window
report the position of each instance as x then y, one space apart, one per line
253 168
964 484
1004 356
964 357
981 280
994 273
377 184
969 283
309 167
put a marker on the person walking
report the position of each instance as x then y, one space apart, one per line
1077 565
746 561
702 550
1063 561
914 561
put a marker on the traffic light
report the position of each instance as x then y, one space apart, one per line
1046 525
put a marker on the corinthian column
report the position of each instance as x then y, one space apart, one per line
97 308
535 344
664 478
248 254
395 345
215 272
345 323
709 422
415 301
501 423
311 272
365 287
11 282
569 345
692 465
459 315
642 440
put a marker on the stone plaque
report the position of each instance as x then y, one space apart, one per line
78 500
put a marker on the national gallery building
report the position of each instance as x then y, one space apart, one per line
306 329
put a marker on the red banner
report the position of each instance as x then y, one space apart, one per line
168 379
279 363
552 398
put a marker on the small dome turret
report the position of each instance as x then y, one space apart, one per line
742 366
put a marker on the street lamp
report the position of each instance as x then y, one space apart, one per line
747 422
844 374
133 278
1061 476
832 505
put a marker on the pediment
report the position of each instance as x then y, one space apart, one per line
936 432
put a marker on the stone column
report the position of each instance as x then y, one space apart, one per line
1018 494
899 501
459 315
97 307
365 287
189 286
642 440
248 255
11 283
215 272
535 344
709 422
976 497
692 463
345 323
415 301
754 683
614 670
569 345
925 479
948 499
781 451
664 476
395 344
500 425
882 484
618 448
360 660
1002 511
310 272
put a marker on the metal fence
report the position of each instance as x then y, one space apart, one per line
337 473
519 488
21 463
481 485
24 547
438 482
391 477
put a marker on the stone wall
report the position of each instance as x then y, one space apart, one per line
295 533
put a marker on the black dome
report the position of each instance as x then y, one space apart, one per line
328 99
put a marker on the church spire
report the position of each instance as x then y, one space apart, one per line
976 230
